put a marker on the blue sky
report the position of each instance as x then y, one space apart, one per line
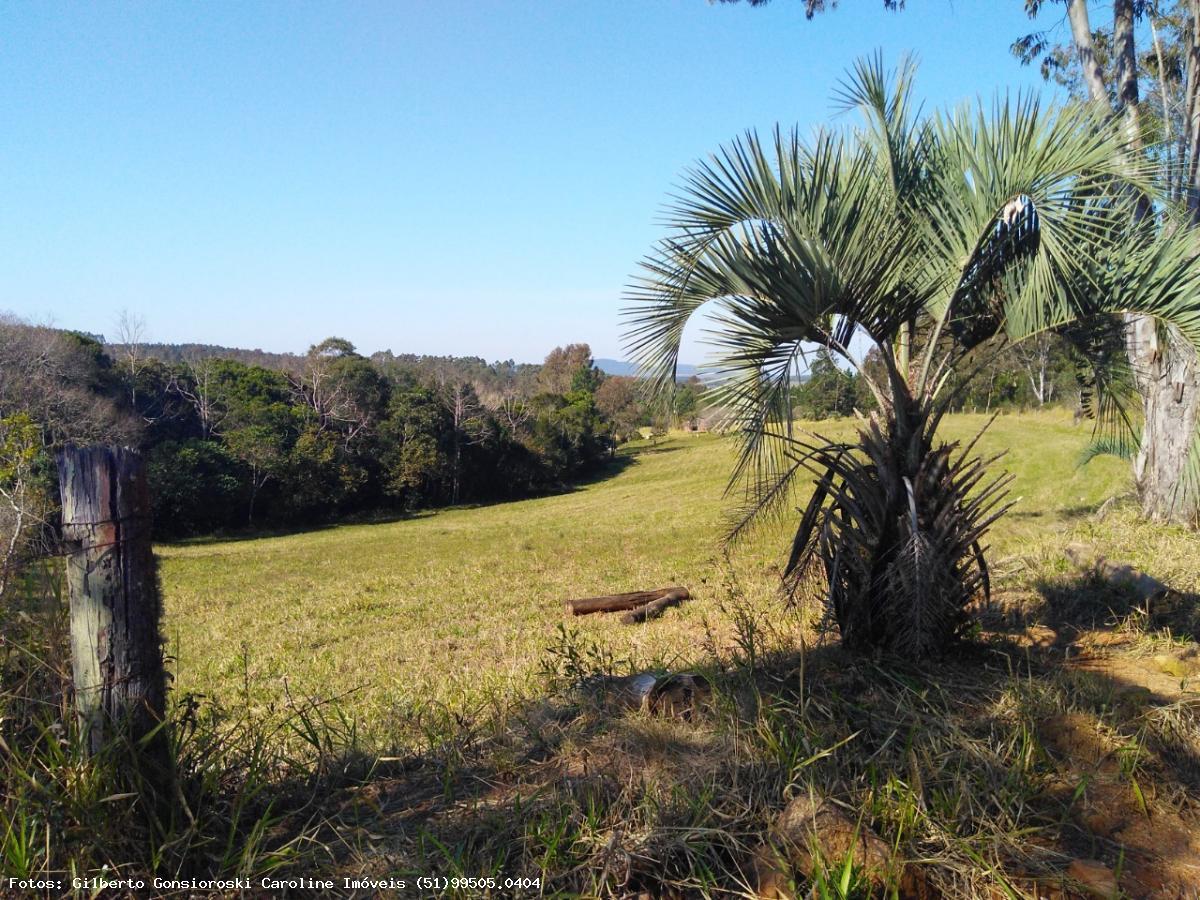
476 178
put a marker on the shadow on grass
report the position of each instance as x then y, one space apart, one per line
255 534
1069 513
944 763
1091 603
993 767
652 450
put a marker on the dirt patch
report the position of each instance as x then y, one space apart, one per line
1168 677
1154 846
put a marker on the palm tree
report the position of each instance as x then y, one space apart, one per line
925 240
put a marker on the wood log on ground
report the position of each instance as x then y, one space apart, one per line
620 602
654 608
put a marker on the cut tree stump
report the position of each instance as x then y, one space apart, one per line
620 602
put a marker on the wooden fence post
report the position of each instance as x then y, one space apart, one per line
116 650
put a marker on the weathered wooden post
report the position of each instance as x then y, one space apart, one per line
116 650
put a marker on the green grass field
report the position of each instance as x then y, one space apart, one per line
459 604
470 735
409 698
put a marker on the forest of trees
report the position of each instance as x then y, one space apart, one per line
277 440
1030 375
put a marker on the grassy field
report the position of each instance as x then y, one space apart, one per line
408 698
459 604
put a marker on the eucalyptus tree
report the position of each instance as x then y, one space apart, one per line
921 239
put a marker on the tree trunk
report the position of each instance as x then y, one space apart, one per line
1169 389
654 608
1164 95
1167 380
457 468
1081 32
116 650
1127 85
1190 154
1167 373
9 562
254 486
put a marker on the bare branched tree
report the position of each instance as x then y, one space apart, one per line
1035 355
24 505
323 386
199 388
131 335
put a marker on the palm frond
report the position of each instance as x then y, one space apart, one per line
1123 450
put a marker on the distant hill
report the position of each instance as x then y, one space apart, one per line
620 367
177 353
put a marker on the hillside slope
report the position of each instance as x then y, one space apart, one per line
460 602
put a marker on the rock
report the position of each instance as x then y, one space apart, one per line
1172 666
809 827
773 883
1041 637
1094 877
678 695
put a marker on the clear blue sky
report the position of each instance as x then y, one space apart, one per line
475 177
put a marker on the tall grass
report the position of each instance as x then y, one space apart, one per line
239 799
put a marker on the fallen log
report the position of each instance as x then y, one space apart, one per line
654 608
619 602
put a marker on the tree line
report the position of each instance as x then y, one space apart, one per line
1031 375
293 440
